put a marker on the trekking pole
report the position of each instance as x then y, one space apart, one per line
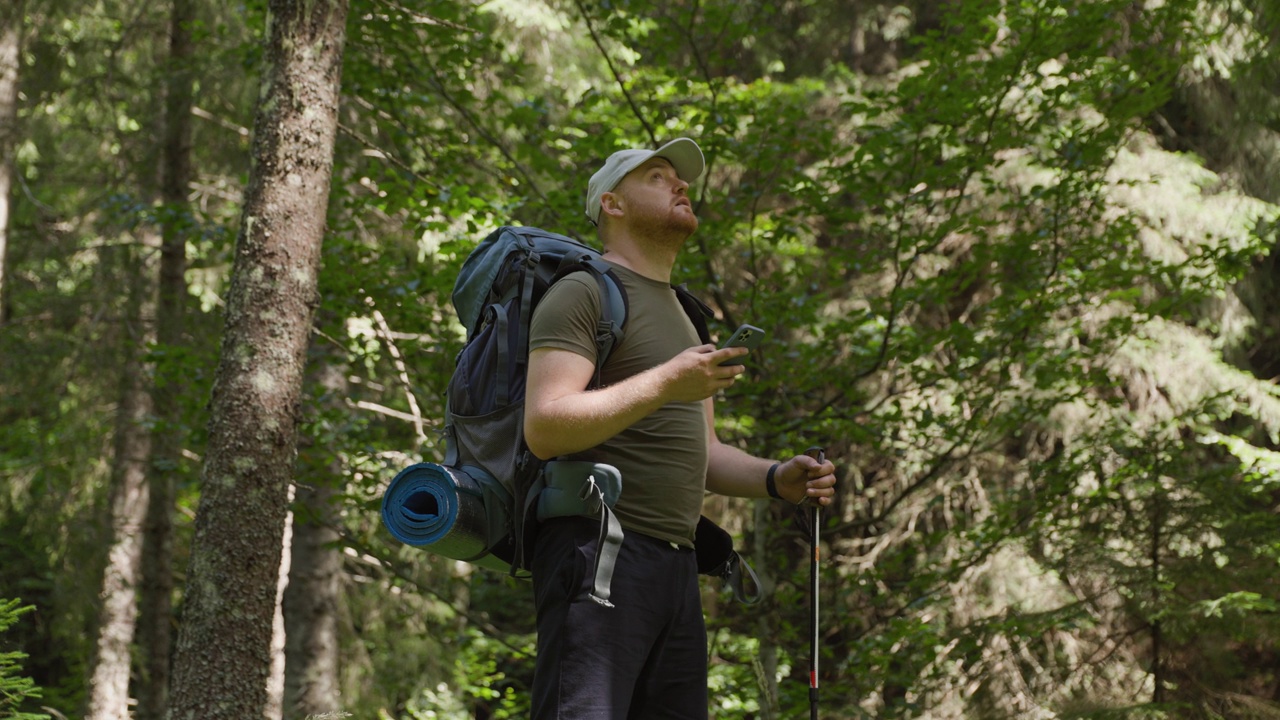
818 454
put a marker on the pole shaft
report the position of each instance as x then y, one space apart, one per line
818 454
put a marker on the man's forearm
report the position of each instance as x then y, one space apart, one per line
732 472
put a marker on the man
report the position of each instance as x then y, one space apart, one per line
652 417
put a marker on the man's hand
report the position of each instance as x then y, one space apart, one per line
802 478
696 373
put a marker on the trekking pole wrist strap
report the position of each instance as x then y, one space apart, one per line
770 484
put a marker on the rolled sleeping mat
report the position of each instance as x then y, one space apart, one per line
455 513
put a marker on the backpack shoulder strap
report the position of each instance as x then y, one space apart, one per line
613 302
697 311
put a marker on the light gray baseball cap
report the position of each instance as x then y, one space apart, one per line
684 154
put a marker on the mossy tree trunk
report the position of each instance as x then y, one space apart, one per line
223 651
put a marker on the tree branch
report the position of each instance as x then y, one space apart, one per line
613 70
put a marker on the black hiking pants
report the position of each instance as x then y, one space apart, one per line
643 659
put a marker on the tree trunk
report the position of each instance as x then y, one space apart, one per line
154 636
311 609
312 597
10 58
223 650
109 683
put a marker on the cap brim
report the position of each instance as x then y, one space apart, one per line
685 156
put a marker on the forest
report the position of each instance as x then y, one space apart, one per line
1014 259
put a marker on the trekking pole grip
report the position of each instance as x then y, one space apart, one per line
817 453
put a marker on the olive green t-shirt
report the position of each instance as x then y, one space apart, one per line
663 457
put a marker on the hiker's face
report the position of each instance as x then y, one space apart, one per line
654 196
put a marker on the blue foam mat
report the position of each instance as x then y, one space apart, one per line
420 506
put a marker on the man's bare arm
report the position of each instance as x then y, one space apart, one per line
561 416
732 472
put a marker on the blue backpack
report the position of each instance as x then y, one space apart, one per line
483 502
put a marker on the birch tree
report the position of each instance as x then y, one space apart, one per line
10 58
117 616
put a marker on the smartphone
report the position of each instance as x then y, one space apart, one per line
747 336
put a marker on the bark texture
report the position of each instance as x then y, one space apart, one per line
156 612
223 650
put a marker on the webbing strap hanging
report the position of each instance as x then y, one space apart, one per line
608 543
590 503
734 577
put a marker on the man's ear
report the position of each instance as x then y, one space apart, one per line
611 204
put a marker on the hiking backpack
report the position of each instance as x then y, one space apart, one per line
490 488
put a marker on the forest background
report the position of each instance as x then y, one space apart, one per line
1013 256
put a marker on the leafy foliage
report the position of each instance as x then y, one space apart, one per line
1013 257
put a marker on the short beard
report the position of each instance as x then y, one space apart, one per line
671 231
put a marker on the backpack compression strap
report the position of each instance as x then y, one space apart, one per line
497 314
528 277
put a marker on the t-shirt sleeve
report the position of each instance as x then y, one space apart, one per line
566 317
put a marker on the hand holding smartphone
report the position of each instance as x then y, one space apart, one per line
747 336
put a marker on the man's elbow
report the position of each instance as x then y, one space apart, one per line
540 450
537 438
